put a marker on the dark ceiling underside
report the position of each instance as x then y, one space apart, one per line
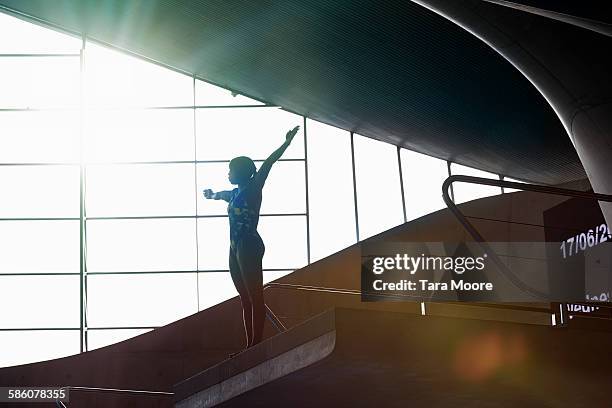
388 70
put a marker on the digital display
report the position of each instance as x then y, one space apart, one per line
580 228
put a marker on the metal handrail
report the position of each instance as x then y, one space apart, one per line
537 188
278 324
359 292
519 186
469 227
341 291
321 289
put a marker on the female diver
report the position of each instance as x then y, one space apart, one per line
246 246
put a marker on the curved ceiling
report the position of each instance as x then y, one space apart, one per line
392 71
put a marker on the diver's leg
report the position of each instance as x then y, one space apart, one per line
245 298
250 254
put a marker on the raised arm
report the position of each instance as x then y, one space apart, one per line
219 195
262 173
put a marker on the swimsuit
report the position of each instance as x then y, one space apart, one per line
243 219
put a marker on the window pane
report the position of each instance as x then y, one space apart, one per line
140 190
214 177
23 347
225 133
39 136
140 299
465 191
141 245
379 197
217 287
284 191
116 79
330 189
102 338
39 301
39 246
211 95
213 243
512 190
39 191
140 135
423 177
269 276
39 82
285 241
214 288
21 37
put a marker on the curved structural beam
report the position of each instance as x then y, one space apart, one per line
593 25
568 64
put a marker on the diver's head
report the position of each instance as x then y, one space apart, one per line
241 169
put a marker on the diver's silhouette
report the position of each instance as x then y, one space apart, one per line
246 246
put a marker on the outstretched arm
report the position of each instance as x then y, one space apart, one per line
262 173
219 195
